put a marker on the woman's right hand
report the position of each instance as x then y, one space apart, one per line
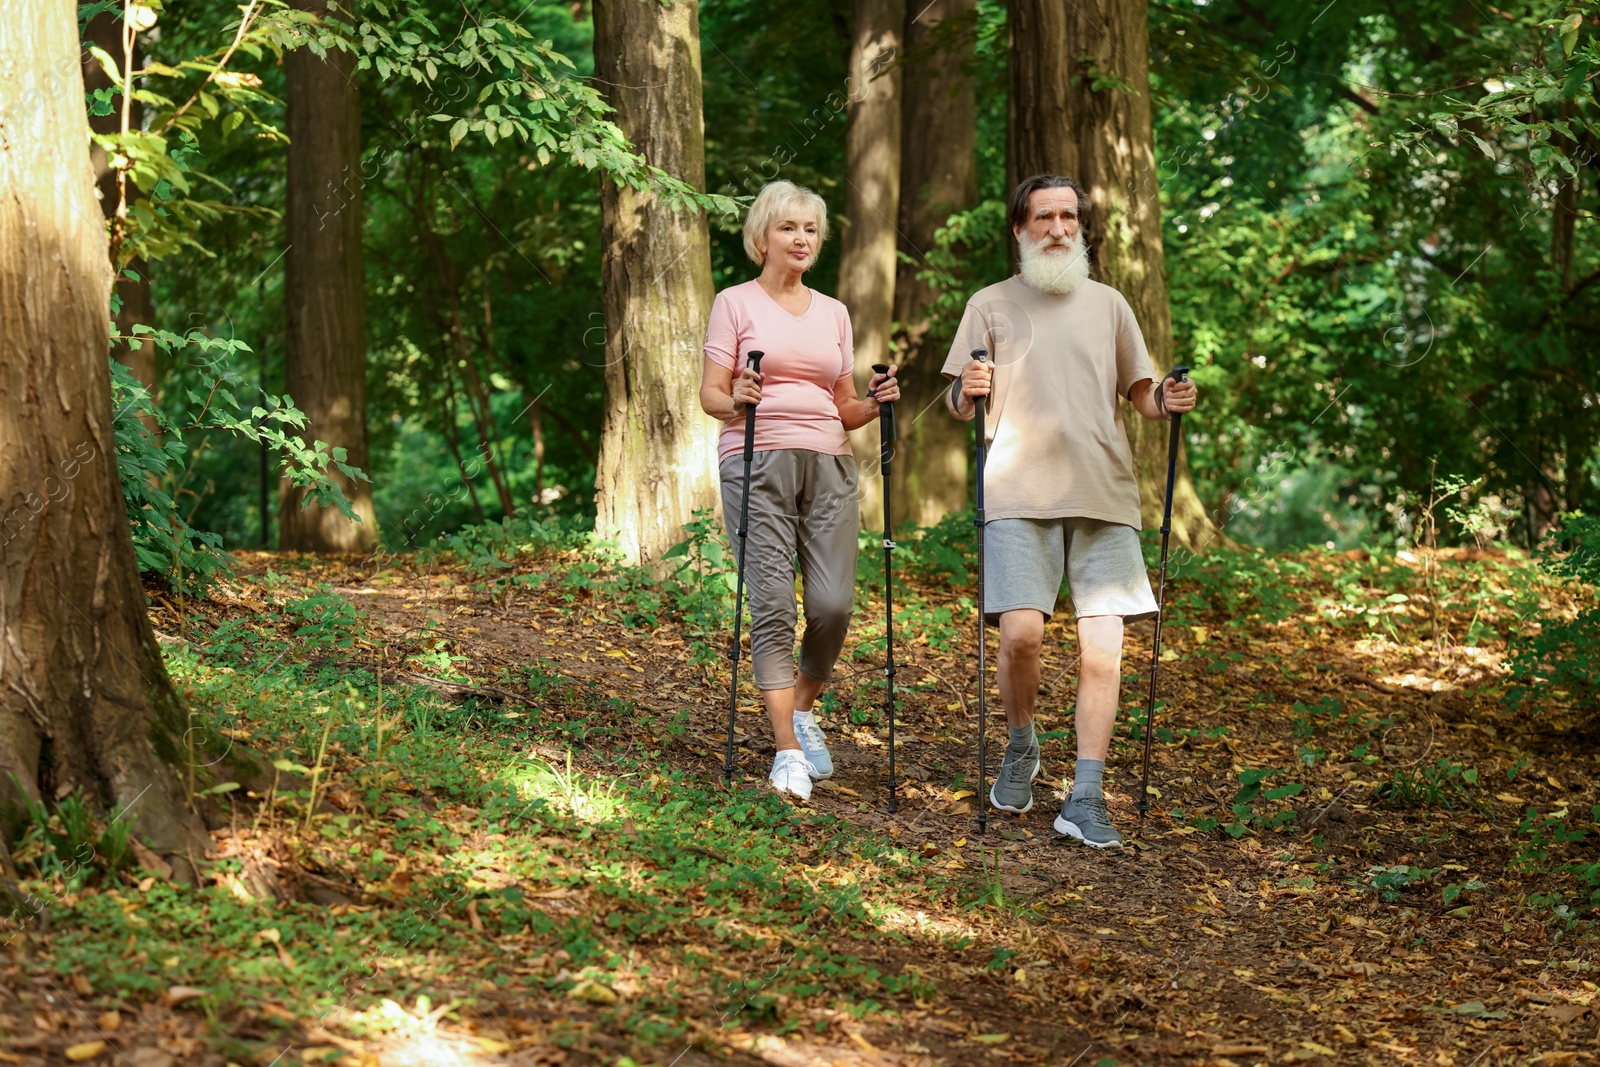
746 390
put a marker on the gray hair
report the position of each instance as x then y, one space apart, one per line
1025 190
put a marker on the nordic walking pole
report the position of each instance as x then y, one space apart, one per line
886 436
1178 374
978 404
753 359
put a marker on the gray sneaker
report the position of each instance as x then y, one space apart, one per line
1013 786
1086 819
814 743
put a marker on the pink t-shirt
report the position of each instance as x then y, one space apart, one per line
805 356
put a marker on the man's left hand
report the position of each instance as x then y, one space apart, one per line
1178 398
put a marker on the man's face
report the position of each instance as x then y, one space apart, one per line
1052 219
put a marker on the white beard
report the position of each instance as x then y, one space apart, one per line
1054 272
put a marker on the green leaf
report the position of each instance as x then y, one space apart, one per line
1569 32
457 132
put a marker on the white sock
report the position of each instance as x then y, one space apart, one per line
805 717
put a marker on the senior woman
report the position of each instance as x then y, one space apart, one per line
803 479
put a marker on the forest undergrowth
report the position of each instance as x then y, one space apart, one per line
494 830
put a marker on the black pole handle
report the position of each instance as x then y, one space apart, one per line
753 361
887 432
1179 373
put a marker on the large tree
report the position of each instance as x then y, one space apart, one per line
657 449
1080 106
325 340
867 241
85 702
938 176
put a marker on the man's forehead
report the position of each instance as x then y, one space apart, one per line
1052 200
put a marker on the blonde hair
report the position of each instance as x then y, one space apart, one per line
770 205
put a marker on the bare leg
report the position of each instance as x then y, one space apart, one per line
1021 638
781 704
1099 683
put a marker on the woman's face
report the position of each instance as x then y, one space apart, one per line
792 243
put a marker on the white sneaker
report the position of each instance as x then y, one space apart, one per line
813 744
791 773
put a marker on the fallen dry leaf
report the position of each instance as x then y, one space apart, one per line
88 1050
593 992
181 994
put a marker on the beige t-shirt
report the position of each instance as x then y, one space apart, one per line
1057 444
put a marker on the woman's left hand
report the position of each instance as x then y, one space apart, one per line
885 387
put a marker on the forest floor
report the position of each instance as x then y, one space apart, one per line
499 835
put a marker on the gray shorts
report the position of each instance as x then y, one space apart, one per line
1024 560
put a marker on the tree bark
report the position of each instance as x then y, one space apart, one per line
105 30
1080 107
938 177
658 452
867 240
85 702
325 340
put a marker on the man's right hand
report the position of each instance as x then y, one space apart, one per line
977 378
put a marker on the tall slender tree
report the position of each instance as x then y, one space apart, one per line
658 451
325 340
110 33
85 702
1080 106
868 239
938 176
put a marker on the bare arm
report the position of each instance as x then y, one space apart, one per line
722 396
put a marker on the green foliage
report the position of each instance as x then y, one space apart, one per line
947 550
1253 791
153 480
328 621
499 545
1390 883
1346 279
1563 656
1246 587
71 844
1440 785
704 584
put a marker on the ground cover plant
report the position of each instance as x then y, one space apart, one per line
494 830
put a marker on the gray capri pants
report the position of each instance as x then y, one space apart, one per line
801 502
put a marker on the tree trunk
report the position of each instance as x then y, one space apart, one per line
105 30
658 452
325 340
85 702
867 241
1080 107
938 176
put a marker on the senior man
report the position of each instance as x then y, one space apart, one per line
1060 490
